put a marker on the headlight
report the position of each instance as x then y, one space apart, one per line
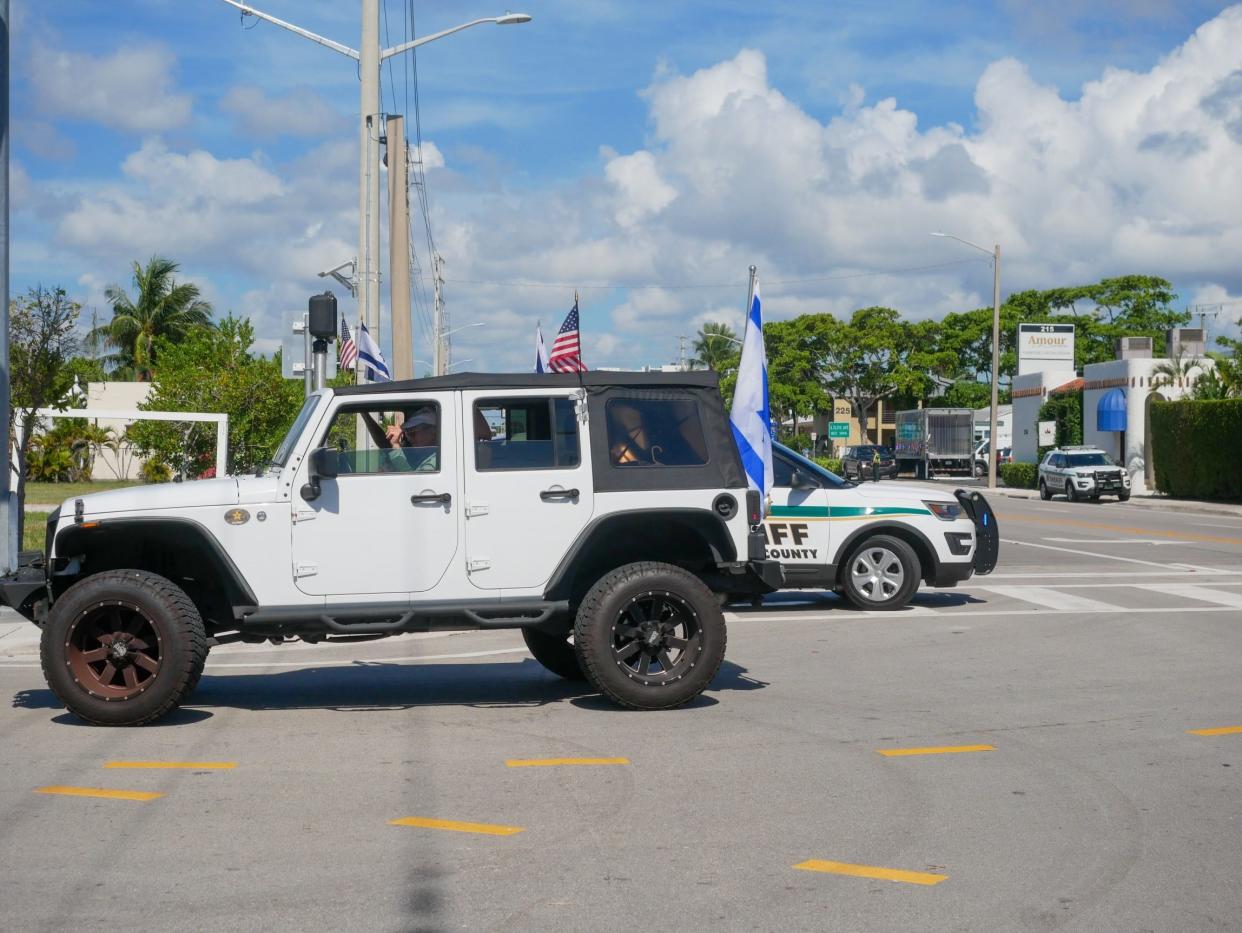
945 511
1086 475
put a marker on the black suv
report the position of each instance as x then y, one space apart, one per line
859 462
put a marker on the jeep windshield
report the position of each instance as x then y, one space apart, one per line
1084 460
299 424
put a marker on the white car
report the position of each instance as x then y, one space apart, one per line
875 542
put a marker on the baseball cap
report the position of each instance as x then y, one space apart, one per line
420 417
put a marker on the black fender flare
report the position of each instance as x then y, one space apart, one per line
81 537
600 533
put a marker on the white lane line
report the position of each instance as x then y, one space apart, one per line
1052 599
1144 574
955 616
353 662
1189 591
966 588
1070 550
1114 541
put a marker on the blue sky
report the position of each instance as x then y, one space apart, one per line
660 145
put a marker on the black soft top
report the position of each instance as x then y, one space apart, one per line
701 378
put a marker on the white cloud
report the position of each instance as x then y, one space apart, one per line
132 89
301 112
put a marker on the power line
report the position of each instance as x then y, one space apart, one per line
608 286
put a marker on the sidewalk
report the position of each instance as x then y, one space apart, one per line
18 638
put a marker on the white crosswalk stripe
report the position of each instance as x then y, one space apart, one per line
1190 591
1052 599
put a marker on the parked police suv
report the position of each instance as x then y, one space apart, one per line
874 542
606 508
1082 472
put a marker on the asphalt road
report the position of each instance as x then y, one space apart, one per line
1078 672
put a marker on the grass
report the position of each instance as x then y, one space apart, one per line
55 493
32 534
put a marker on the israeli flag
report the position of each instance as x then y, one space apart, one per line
751 416
372 357
541 351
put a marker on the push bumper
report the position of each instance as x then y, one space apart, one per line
987 532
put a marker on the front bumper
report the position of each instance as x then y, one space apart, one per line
25 589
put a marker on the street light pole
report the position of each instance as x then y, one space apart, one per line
993 440
369 58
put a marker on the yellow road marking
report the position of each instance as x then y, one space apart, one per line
1127 529
553 762
489 829
198 765
871 871
1223 730
936 750
99 792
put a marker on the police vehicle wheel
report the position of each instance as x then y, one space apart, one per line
1044 492
554 652
882 573
123 648
650 636
1123 496
1070 492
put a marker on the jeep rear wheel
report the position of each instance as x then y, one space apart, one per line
650 636
554 652
123 648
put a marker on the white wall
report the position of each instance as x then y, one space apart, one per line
116 395
1137 377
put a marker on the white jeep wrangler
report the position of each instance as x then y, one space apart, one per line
600 513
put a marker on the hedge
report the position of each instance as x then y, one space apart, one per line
1019 475
831 464
1196 448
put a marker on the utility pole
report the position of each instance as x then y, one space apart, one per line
681 352
369 59
399 250
8 525
439 325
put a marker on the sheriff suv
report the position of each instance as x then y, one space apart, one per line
599 513
874 543
1082 473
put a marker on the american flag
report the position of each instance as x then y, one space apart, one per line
566 355
349 349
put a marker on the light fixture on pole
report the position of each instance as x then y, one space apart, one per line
369 58
440 342
993 440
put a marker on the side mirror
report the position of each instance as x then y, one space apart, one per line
323 465
800 480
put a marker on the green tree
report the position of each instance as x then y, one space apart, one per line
1224 379
161 311
42 338
872 356
716 346
1176 370
794 387
213 370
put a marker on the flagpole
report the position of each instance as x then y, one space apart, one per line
750 299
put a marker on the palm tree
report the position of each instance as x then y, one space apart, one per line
162 307
1175 370
715 345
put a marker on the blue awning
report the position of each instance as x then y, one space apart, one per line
1110 413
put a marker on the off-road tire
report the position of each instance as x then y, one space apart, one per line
1044 492
554 652
612 607
891 557
157 604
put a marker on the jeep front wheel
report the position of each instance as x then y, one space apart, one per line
650 636
123 648
554 652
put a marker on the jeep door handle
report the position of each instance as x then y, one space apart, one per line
549 494
443 498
